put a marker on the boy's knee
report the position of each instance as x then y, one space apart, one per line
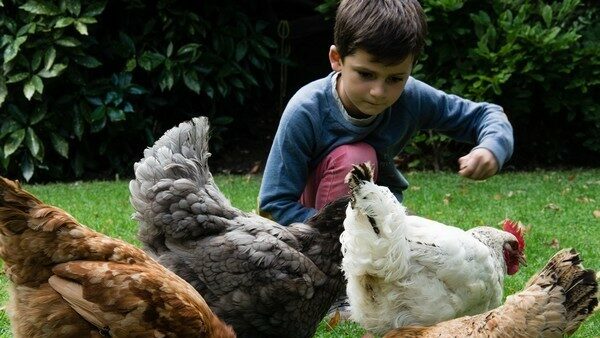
349 154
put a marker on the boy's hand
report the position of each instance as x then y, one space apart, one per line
479 164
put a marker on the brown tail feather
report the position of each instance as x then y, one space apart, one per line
579 284
20 210
15 204
29 244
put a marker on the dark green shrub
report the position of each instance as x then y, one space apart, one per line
538 59
86 85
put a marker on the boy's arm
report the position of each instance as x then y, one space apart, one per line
480 123
286 172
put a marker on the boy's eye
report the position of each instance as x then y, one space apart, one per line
395 79
365 75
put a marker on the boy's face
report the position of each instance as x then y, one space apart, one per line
366 87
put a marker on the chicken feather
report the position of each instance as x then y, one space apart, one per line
67 280
264 279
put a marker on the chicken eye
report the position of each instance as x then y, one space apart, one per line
510 246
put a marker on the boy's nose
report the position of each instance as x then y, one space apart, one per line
378 90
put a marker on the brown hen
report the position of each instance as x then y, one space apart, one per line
553 304
70 281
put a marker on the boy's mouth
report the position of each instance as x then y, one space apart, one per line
374 104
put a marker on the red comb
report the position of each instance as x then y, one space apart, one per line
515 229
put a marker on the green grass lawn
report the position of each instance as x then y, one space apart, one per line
561 208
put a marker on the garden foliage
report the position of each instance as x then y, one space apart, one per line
85 84
540 60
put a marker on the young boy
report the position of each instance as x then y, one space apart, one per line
367 109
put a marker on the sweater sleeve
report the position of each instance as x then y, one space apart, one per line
287 168
480 123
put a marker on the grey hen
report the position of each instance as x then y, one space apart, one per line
264 279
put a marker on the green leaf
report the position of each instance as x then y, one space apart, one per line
547 15
166 80
38 115
68 42
240 50
4 161
78 164
36 60
150 60
12 49
260 50
60 145
188 48
17 114
223 89
210 91
130 65
8 126
113 97
81 28
237 83
115 114
73 6
269 42
95 100
78 126
27 168
127 107
64 22
87 20
94 9
170 49
222 120
98 114
36 148
17 77
37 83
49 58
5 40
56 69
552 34
27 29
136 90
190 78
98 125
3 90
87 61
127 44
39 7
29 89
13 142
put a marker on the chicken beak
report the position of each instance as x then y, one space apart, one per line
522 260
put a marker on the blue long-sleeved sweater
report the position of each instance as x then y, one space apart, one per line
312 125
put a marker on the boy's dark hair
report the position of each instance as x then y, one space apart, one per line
390 30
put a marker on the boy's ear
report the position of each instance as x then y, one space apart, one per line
335 59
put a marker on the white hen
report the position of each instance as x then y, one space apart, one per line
553 304
407 270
